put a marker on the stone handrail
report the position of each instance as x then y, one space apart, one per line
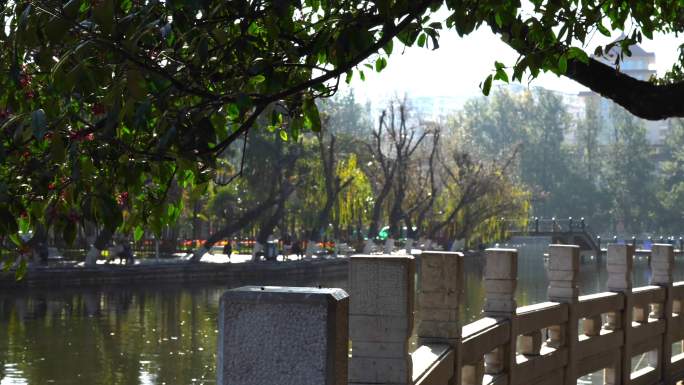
554 342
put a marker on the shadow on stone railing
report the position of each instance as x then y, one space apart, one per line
301 336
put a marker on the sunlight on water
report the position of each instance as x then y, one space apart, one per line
12 376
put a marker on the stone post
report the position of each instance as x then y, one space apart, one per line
619 264
441 286
501 279
563 274
283 335
662 266
381 318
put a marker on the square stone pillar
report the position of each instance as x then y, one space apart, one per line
563 272
619 264
283 335
439 297
662 266
381 318
441 286
501 280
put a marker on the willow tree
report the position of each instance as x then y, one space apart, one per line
103 104
478 194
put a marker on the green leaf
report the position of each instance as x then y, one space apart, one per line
497 19
233 111
487 86
604 31
380 64
15 239
283 135
257 79
501 75
312 115
389 47
38 123
24 224
138 233
579 54
421 40
563 64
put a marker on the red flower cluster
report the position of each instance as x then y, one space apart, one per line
122 198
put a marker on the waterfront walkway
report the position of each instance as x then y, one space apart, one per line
210 269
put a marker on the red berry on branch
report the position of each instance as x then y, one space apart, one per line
51 186
90 137
122 198
24 80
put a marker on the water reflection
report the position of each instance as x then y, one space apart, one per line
167 334
112 335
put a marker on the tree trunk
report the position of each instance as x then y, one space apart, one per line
230 229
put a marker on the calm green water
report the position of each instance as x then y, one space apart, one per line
166 335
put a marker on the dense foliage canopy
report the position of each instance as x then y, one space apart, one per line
107 105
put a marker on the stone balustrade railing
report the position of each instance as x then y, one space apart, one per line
301 336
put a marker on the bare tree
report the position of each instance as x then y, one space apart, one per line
393 145
423 187
333 186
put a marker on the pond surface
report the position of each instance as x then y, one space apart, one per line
166 335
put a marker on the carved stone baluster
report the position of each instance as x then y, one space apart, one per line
472 374
662 266
619 264
530 344
592 325
441 286
564 287
501 278
380 318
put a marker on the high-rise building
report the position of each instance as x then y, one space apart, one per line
638 64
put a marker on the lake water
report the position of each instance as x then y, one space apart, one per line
166 335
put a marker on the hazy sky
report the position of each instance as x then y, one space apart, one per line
460 64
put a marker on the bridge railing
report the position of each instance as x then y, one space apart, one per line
628 335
